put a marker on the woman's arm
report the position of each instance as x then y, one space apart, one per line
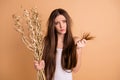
79 45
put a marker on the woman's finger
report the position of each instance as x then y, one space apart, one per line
39 64
84 41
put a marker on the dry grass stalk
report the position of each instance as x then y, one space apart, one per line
34 40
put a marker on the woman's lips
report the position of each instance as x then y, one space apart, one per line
62 30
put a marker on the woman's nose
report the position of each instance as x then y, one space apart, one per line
61 25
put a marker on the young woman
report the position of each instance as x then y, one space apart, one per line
62 51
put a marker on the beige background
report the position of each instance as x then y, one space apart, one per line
100 58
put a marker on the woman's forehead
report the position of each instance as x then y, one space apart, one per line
60 17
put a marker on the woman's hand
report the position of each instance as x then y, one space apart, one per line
39 64
81 43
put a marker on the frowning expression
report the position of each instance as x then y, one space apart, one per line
60 24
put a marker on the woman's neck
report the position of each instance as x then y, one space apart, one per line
60 41
60 38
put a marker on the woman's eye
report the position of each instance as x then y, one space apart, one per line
64 21
56 23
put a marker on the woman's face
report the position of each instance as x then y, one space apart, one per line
60 24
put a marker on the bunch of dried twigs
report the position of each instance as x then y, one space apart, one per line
34 39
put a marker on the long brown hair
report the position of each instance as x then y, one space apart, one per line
68 60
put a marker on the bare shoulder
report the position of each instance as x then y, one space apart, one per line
76 39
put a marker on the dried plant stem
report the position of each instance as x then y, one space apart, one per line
39 76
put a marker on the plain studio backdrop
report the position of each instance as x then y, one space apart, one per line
101 56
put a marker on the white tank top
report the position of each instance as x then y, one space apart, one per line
60 74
